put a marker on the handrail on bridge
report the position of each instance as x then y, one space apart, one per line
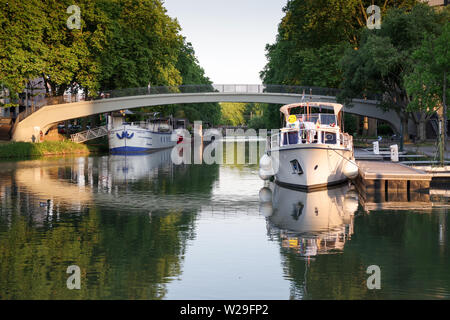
89 134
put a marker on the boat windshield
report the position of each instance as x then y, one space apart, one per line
160 124
325 118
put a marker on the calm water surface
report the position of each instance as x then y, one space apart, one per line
140 227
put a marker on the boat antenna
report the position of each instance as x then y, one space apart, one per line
310 98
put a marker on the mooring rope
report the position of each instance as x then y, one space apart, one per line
353 162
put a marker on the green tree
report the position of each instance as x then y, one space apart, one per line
120 44
73 60
233 113
384 58
312 37
428 83
21 49
142 45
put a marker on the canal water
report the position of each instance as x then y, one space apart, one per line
141 227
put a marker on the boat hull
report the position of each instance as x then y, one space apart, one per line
310 167
134 139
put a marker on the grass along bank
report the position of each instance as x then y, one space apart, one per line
46 148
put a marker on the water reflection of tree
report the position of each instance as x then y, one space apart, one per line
123 255
409 247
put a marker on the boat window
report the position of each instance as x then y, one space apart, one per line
327 119
312 118
296 168
293 137
329 137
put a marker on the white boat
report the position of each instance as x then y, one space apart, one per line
136 137
310 152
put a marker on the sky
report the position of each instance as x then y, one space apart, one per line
229 36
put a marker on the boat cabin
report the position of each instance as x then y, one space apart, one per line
152 123
311 128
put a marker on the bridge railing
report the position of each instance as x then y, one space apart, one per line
219 88
226 88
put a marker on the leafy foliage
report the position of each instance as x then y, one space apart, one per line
233 113
384 58
121 44
428 81
312 37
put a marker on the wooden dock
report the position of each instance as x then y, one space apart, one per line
367 154
383 181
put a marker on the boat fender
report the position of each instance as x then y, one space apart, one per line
265 174
265 194
351 170
265 163
266 209
351 202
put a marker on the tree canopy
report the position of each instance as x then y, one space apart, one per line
385 58
312 37
327 44
120 44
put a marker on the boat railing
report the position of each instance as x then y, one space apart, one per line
347 140
274 141
141 124
310 136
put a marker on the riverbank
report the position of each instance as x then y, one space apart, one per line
20 150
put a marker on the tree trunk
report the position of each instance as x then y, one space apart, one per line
404 134
405 129
444 105
421 132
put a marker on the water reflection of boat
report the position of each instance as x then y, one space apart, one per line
310 223
135 167
50 187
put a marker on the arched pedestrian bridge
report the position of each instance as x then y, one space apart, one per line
28 126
